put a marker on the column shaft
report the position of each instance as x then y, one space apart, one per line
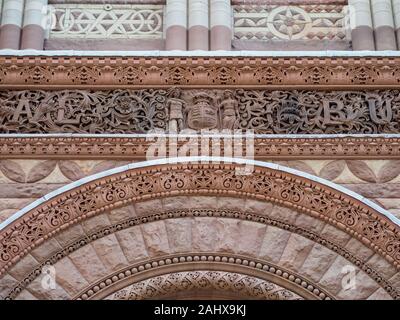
221 25
396 15
362 35
198 25
33 31
382 16
11 22
176 25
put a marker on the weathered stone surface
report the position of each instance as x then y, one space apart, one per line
231 203
317 262
46 249
40 292
202 202
395 280
296 251
41 171
335 235
257 206
204 234
250 237
364 287
227 235
359 249
110 253
12 170
332 170
284 214
375 190
71 170
309 223
25 265
25 295
69 277
361 170
88 263
332 279
121 214
6 284
380 263
70 235
380 294
27 190
389 171
95 223
132 244
148 207
156 238
274 243
179 234
174 203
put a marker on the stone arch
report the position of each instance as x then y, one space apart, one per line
316 221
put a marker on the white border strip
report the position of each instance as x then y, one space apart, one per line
148 163
197 53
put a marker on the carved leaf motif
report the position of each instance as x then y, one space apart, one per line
12 170
389 171
361 170
41 171
71 170
332 170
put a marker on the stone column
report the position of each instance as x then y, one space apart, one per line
11 23
198 25
362 34
176 25
34 23
220 25
382 16
396 15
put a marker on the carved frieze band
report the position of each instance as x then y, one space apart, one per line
140 72
346 213
174 110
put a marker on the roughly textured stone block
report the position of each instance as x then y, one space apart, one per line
69 277
179 234
88 263
132 244
156 238
250 238
296 251
274 243
110 253
204 233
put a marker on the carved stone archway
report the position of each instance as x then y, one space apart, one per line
323 226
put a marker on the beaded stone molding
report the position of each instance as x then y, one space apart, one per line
352 216
183 213
60 72
296 284
117 147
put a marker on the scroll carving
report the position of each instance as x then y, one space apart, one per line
141 111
